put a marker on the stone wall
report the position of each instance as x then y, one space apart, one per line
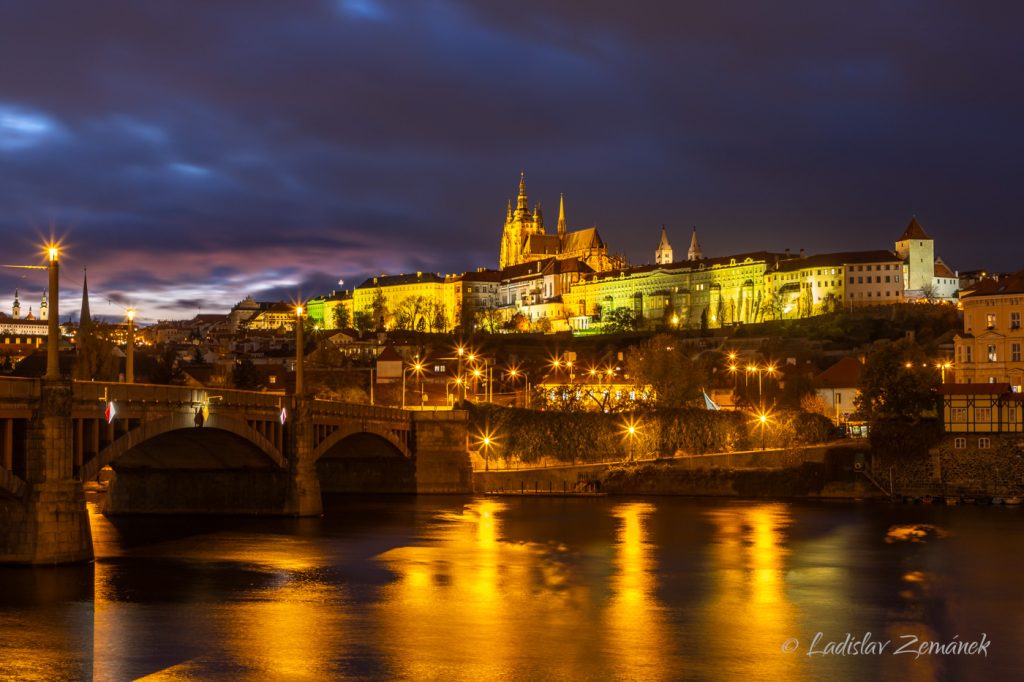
442 456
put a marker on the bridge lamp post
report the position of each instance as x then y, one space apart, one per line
418 368
299 354
53 321
129 363
763 421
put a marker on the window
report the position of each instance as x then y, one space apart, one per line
851 279
990 320
982 414
958 415
839 398
959 443
878 279
1011 415
992 352
984 443
1015 352
967 350
1015 320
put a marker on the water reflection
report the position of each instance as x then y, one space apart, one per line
638 643
749 601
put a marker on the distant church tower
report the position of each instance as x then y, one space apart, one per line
561 218
694 252
17 306
663 255
84 318
519 225
44 309
917 250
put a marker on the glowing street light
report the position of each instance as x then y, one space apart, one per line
762 420
630 429
942 367
299 354
53 326
129 363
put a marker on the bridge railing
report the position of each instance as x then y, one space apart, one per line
88 391
19 388
359 410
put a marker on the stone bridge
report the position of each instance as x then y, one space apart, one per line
255 453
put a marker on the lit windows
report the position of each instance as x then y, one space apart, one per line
958 415
1015 320
990 320
992 355
982 414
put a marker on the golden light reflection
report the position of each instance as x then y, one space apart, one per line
472 605
749 561
638 640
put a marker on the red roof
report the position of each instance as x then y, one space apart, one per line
1011 284
843 374
914 231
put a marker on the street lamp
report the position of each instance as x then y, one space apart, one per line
53 321
631 428
942 367
762 419
299 354
418 368
129 363
514 373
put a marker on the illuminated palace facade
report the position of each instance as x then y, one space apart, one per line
571 281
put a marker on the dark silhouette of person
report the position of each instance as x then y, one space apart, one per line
199 418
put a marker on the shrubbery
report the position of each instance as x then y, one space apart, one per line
527 435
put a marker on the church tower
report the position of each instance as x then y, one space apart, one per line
84 318
519 224
561 218
663 254
17 306
44 309
694 252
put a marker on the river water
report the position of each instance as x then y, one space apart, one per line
481 588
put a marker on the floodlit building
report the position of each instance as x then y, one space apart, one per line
989 349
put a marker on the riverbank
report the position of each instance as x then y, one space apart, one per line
815 472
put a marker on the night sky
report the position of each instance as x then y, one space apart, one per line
191 153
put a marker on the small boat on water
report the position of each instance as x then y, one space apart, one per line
927 499
952 501
1012 501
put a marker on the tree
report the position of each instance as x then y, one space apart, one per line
245 376
362 321
621 320
896 383
663 364
378 309
95 359
340 317
167 370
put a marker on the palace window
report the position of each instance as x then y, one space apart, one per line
959 443
958 415
1015 352
982 414
992 352
851 280
984 443
1015 320
990 320
967 349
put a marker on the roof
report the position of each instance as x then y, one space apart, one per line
1011 284
663 242
942 270
913 231
389 354
527 269
542 244
564 265
481 276
841 258
690 265
396 280
843 374
582 239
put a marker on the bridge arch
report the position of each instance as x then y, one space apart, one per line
345 432
149 430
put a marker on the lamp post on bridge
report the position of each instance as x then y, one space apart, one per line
53 321
299 354
129 363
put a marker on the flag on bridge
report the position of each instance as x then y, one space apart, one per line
709 403
110 412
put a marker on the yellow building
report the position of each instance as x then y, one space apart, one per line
428 301
274 316
722 290
524 239
989 350
813 285
323 310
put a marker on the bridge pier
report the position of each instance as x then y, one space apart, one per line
50 524
303 482
442 458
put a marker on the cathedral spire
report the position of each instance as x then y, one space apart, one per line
44 308
17 306
508 213
84 318
522 206
663 254
694 252
561 216
538 217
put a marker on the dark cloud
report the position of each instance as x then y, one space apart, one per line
195 152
